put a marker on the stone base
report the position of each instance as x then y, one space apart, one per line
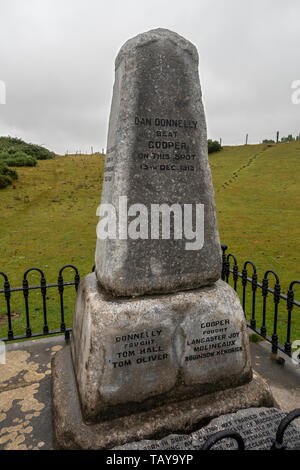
134 354
182 417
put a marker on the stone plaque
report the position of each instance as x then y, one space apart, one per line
257 426
140 358
209 341
157 155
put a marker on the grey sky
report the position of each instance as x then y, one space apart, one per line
57 61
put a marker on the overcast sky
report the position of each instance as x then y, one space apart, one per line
57 62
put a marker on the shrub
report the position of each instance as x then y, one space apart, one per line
4 170
6 175
5 180
14 145
213 146
289 138
21 161
4 156
17 159
40 153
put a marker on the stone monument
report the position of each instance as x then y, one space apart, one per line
159 342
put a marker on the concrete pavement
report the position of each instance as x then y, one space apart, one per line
25 390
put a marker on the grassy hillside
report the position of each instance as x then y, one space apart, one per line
48 219
258 202
15 152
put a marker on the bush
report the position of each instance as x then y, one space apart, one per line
6 176
21 161
213 146
4 156
5 181
17 159
13 145
40 153
4 170
289 138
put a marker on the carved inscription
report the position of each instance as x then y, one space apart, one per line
216 338
138 348
165 144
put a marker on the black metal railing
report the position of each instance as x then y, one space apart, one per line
229 268
43 287
230 272
277 444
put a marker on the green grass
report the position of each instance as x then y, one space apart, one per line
258 211
254 338
258 201
15 152
48 219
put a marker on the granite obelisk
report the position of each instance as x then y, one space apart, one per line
157 154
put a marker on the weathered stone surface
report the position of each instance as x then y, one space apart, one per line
136 354
156 104
72 433
257 427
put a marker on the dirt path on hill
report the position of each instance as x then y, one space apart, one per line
237 172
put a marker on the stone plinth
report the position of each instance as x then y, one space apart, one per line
132 355
72 432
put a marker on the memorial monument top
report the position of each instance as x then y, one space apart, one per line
154 35
158 230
